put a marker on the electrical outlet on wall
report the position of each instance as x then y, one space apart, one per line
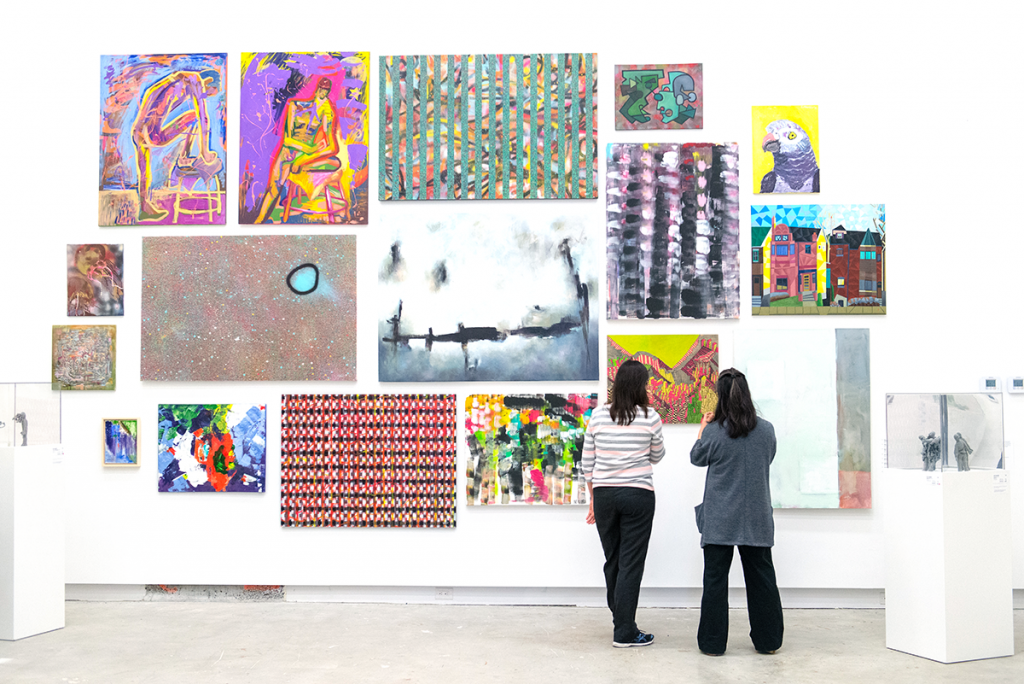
444 593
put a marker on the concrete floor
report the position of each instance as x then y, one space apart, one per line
299 643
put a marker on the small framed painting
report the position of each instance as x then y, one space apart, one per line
120 441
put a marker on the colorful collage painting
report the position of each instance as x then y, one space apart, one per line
814 386
212 448
162 132
84 357
121 441
368 460
526 448
488 127
659 96
273 307
818 259
683 372
673 230
95 280
303 155
785 156
467 298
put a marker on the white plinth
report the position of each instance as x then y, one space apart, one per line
31 541
948 586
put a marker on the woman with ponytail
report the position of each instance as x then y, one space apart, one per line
622 442
737 447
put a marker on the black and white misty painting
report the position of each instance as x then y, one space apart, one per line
474 298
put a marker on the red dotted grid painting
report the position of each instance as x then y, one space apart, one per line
368 460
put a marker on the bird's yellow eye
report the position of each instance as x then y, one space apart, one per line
792 135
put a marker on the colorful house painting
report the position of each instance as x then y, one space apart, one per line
818 259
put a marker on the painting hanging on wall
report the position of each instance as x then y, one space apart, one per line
270 307
937 432
162 132
818 259
95 280
785 157
120 441
84 357
488 127
526 448
683 372
814 386
368 460
467 298
212 448
659 96
304 129
673 230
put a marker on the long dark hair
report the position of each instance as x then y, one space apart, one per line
629 392
735 409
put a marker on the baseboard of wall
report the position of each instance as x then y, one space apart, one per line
657 597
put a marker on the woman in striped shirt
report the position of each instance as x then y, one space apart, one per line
622 443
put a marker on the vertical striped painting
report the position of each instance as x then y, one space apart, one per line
488 127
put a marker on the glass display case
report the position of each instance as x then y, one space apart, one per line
941 432
29 414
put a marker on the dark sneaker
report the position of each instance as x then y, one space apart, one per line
641 639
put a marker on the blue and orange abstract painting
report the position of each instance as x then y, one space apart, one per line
120 441
162 131
303 137
212 448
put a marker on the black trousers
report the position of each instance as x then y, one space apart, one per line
624 516
764 607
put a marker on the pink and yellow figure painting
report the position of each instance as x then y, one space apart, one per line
162 132
683 372
95 280
526 448
304 128
659 96
785 149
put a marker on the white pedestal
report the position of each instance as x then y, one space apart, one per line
948 586
31 541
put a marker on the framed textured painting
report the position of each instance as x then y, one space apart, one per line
507 126
814 386
818 259
162 133
368 460
673 230
211 448
659 96
120 441
241 308
683 372
474 298
304 131
785 149
95 280
526 448
84 357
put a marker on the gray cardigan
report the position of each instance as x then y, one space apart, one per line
737 508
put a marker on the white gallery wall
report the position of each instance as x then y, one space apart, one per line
919 106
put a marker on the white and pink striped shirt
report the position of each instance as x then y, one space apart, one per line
622 455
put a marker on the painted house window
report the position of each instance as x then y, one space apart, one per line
807 249
782 284
839 251
757 256
867 256
867 285
842 282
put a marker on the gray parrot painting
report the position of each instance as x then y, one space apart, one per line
796 166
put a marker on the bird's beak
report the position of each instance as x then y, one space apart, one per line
770 143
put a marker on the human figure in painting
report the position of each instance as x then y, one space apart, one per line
151 129
737 447
22 420
91 279
310 138
962 450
